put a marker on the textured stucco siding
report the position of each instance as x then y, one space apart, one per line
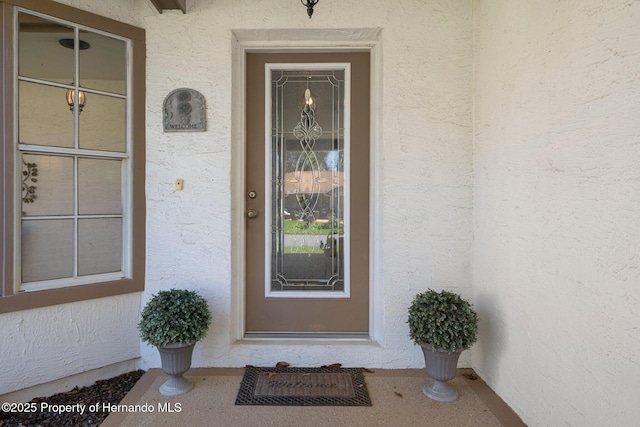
506 168
422 182
556 208
43 345
423 172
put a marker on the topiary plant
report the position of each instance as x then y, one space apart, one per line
443 320
174 316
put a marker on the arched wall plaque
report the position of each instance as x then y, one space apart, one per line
184 110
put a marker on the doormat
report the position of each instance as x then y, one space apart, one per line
303 387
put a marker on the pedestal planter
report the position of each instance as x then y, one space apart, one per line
441 367
176 360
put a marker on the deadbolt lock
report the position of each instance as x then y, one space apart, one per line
252 194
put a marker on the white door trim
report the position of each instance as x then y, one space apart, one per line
304 40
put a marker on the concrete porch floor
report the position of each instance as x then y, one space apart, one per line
396 396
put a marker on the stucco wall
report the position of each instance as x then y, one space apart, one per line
555 202
422 181
43 345
423 173
557 192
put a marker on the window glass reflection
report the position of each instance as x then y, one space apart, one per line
102 123
99 246
99 186
41 56
103 66
47 185
43 115
47 250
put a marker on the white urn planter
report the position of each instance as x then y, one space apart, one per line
176 360
442 367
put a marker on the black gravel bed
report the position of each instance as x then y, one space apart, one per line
53 410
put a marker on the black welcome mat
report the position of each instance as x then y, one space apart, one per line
303 387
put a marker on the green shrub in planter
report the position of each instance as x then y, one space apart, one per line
443 320
174 316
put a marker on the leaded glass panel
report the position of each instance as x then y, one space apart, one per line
307 179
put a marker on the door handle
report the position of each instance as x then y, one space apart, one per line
252 213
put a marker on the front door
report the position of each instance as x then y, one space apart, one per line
307 193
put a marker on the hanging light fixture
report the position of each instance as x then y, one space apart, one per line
70 95
309 5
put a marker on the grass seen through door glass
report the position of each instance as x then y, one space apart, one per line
303 250
304 227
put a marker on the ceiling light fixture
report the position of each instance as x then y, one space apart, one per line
309 5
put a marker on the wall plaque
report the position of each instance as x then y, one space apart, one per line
184 110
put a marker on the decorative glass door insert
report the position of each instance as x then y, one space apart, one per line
307 176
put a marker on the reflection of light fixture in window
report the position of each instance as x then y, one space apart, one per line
70 44
82 98
309 99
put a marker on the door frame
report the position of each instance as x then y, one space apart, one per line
304 40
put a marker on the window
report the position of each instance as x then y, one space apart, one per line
73 144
